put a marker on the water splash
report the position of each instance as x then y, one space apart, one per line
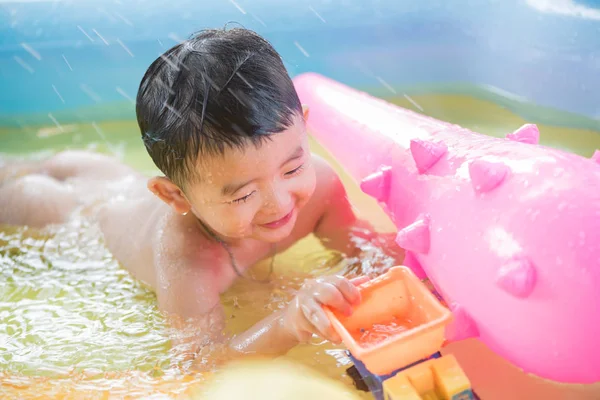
67 62
317 14
302 50
125 47
238 6
122 18
91 39
174 38
414 103
260 21
59 126
103 137
124 94
93 95
386 85
34 53
173 110
58 94
23 64
100 36
68 308
75 321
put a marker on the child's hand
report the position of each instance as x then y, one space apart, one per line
305 316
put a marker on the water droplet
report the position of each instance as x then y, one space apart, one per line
125 47
124 94
23 64
238 6
101 37
302 50
317 14
386 85
414 103
58 94
85 33
87 90
31 51
122 18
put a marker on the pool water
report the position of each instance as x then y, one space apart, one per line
72 320
378 332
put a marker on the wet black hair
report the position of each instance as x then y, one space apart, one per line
218 89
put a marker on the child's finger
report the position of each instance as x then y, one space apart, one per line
360 280
314 314
347 289
329 295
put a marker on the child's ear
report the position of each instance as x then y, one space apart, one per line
305 112
170 193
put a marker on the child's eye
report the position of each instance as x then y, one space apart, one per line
295 171
242 199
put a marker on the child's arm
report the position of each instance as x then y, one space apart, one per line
196 312
303 317
338 227
188 291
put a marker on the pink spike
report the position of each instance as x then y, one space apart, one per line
426 153
377 184
411 262
415 237
517 277
596 156
528 133
486 175
462 326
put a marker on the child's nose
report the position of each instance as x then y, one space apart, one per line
279 199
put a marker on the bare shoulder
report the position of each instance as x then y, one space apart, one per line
178 240
144 235
322 166
189 267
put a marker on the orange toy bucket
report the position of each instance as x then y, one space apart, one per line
398 322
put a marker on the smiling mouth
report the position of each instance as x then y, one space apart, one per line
280 222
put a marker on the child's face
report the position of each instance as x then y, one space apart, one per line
256 192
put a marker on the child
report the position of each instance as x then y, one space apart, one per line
220 117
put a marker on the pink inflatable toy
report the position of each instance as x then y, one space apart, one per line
508 231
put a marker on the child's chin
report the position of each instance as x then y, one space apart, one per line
275 236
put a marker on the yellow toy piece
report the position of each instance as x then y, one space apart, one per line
435 379
271 380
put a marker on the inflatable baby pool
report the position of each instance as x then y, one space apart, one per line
507 230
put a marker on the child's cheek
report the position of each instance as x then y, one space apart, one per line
245 216
307 187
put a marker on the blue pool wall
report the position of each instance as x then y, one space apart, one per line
57 56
